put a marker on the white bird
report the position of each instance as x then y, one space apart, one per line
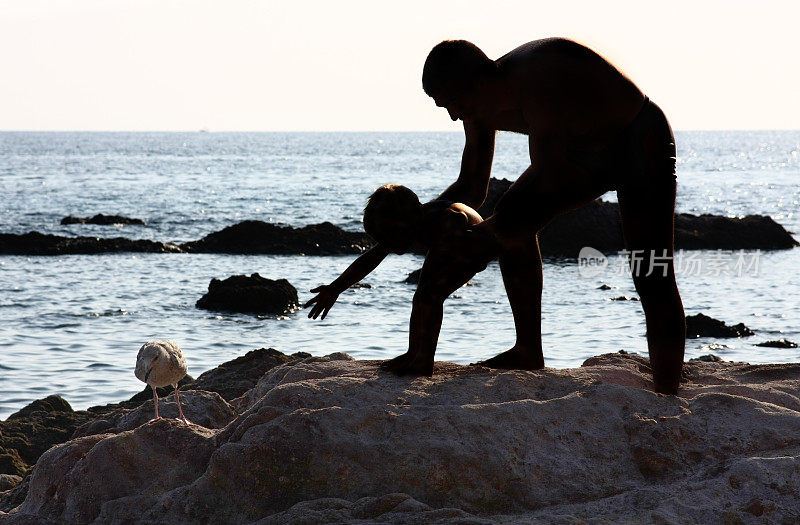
161 363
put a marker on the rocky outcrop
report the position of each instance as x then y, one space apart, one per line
254 294
105 220
257 237
27 434
333 439
232 379
701 325
598 225
206 409
35 243
780 343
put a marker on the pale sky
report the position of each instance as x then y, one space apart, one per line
356 65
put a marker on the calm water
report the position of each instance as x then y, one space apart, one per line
72 325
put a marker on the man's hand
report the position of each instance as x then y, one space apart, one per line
325 298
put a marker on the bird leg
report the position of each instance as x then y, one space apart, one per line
180 410
155 397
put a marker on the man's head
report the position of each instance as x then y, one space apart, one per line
452 74
391 217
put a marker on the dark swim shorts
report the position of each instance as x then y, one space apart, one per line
641 158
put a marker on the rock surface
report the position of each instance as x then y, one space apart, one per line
261 237
105 220
35 243
701 325
254 294
333 439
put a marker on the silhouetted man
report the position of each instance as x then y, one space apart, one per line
591 130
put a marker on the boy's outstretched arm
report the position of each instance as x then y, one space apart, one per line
358 269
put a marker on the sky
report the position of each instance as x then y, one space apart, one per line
302 65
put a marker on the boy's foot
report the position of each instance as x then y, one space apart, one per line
518 358
409 365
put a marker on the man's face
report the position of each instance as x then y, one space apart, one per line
461 104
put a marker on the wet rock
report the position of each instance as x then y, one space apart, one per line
598 225
604 287
624 298
262 237
28 433
361 285
331 439
781 343
254 294
102 220
701 325
413 277
35 243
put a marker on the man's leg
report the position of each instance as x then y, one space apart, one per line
521 267
531 202
648 211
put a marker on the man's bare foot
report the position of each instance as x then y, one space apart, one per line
409 365
518 358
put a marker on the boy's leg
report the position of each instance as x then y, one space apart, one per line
440 277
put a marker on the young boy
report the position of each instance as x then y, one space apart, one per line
395 218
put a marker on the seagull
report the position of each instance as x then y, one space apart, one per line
161 363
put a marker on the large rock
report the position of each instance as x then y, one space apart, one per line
254 294
333 439
598 225
264 238
701 325
105 220
35 243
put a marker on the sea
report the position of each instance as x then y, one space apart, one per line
72 325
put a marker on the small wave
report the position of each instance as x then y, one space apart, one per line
100 365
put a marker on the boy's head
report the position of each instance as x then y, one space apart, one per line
392 216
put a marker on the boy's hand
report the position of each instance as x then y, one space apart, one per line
325 298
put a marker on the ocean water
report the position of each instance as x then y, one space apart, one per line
72 325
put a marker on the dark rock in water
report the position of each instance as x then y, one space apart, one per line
598 225
35 243
624 298
781 343
604 287
27 434
413 277
254 294
102 220
709 358
262 237
701 325
361 285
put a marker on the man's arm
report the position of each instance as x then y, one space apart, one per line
476 166
358 269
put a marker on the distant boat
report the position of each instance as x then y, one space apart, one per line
203 130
